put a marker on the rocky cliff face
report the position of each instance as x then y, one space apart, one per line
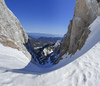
85 13
11 31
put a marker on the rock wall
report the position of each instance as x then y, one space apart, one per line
11 31
85 13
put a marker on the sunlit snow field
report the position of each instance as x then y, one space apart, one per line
82 69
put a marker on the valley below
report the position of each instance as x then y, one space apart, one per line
44 49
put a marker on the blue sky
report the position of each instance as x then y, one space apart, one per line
43 16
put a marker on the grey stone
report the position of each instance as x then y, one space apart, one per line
12 33
85 13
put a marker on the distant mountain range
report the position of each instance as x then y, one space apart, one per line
37 35
42 41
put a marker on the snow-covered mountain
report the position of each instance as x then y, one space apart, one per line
79 61
82 69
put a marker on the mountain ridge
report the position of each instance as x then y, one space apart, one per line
86 11
12 33
37 35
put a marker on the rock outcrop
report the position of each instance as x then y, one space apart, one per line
85 13
11 31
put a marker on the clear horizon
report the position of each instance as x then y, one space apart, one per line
43 16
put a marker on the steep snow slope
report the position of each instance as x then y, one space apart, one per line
15 69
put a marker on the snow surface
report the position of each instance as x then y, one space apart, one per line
47 51
82 69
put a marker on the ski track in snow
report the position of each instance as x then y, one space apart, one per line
15 69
